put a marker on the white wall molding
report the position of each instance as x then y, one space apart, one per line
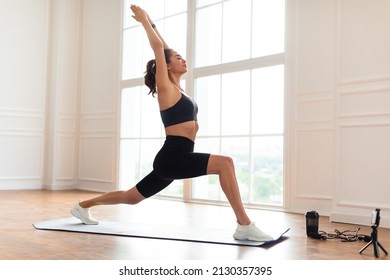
11 121
362 43
362 178
97 158
65 169
21 184
67 124
363 205
320 110
364 80
364 103
362 219
62 95
312 95
100 89
98 123
339 91
15 149
308 196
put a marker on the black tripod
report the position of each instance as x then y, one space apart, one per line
374 237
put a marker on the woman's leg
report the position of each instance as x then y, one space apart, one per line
148 186
132 196
224 167
82 210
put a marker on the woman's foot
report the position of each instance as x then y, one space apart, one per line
251 232
84 214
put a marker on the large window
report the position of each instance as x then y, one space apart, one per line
236 74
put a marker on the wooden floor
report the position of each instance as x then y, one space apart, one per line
20 241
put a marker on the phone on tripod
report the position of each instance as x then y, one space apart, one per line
375 217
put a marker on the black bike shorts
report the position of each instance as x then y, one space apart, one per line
175 160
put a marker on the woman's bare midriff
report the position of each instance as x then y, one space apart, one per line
186 129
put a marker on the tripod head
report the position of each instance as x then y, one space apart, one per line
375 218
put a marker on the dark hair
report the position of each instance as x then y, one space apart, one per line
150 73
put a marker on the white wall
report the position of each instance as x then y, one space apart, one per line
60 86
339 108
100 91
59 90
23 65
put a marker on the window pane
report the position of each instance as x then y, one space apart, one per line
129 163
207 187
154 8
174 7
235 103
147 152
238 149
268 27
151 125
200 3
174 189
131 112
175 33
208 98
128 21
267 100
208 36
267 170
132 66
236 30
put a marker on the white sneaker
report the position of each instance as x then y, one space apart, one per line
251 232
84 214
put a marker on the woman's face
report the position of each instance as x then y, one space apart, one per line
177 64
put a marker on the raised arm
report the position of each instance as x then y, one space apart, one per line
157 44
154 39
157 32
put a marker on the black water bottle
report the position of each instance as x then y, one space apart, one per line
312 223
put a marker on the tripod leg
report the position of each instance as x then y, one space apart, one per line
376 251
382 248
365 247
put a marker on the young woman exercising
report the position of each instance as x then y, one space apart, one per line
176 159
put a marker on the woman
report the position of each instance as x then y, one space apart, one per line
176 159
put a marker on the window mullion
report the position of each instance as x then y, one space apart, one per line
190 79
250 137
222 28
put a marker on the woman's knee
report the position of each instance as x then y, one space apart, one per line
220 163
227 162
133 196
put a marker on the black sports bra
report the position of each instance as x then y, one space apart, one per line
183 111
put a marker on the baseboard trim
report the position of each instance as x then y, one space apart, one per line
357 219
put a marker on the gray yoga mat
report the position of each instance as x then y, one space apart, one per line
191 234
